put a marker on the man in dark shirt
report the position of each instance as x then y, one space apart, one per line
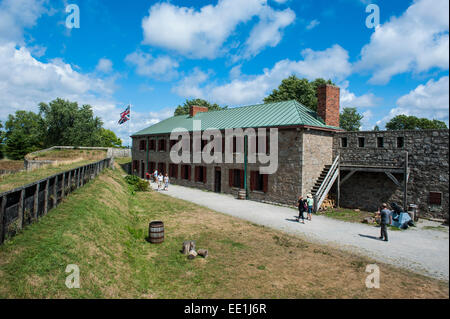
385 219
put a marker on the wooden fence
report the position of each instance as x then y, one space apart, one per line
26 204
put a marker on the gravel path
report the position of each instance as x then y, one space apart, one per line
421 250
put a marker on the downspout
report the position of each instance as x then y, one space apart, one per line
148 146
245 165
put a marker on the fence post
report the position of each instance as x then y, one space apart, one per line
63 186
36 202
20 213
46 197
78 177
2 218
55 191
69 182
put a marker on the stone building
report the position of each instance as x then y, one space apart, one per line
360 169
373 167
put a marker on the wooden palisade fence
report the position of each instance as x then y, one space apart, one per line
26 204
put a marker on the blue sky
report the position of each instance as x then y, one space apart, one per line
156 54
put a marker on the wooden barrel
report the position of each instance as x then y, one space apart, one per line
156 232
242 194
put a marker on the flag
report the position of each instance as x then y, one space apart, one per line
125 115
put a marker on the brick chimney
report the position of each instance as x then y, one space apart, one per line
194 109
328 104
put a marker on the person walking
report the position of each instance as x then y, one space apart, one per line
160 181
301 209
166 182
155 176
385 219
310 203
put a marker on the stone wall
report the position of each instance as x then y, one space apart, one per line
317 152
111 152
284 186
427 160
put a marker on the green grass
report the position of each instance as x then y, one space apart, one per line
102 228
439 228
348 215
64 154
122 160
11 181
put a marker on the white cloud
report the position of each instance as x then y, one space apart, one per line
314 23
414 42
350 99
331 63
429 100
163 67
104 65
189 86
25 82
16 15
267 32
365 122
202 33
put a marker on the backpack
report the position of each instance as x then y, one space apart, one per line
305 205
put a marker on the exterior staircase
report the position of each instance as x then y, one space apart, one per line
320 179
324 182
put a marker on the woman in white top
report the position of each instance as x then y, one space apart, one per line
166 182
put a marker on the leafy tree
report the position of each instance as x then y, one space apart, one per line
405 122
23 134
302 90
184 109
65 123
376 128
350 119
2 146
109 138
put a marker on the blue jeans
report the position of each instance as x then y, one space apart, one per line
310 209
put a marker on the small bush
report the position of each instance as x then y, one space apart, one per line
137 184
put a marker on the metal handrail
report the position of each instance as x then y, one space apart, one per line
327 177
324 186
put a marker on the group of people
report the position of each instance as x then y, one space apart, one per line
305 205
161 180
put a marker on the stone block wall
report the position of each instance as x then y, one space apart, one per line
317 151
427 160
283 186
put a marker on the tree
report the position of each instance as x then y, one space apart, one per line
65 123
405 122
350 119
2 146
184 109
301 90
23 134
376 128
109 139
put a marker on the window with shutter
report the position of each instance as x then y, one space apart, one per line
265 183
204 174
252 180
435 198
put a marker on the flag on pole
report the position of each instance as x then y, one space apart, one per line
125 115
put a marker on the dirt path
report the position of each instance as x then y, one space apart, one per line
421 250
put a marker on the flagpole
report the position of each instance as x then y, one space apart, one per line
129 129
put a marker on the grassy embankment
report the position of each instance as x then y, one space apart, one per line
68 159
102 228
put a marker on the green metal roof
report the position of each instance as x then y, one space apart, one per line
261 115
